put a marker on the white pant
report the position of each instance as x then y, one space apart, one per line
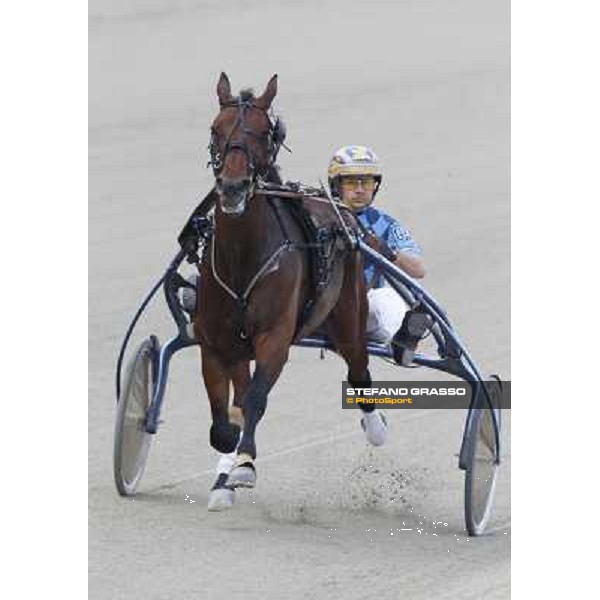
386 312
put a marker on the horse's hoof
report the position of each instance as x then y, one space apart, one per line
220 499
374 425
242 476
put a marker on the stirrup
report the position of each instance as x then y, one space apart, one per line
405 341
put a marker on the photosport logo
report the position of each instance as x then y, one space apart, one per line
427 394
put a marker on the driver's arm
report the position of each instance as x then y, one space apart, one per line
407 252
410 263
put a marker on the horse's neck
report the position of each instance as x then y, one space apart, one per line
243 243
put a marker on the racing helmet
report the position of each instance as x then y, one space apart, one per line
353 160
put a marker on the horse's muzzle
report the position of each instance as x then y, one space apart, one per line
234 195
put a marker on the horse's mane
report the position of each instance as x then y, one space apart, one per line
246 95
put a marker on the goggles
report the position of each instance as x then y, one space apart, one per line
354 183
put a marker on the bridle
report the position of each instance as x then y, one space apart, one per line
276 137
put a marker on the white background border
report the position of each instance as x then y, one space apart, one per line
555 137
44 299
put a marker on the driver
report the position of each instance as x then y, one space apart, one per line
354 179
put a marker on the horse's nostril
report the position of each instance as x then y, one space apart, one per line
234 187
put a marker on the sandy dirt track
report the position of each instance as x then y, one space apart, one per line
426 83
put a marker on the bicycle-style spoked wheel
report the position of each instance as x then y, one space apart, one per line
132 442
482 464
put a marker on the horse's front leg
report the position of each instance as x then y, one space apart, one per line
221 495
271 355
224 435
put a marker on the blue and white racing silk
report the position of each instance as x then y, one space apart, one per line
386 228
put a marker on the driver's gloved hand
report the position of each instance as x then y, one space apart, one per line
379 246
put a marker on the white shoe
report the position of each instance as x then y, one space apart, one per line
374 425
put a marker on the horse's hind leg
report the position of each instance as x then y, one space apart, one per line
240 375
346 328
347 322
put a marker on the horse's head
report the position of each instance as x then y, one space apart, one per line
244 143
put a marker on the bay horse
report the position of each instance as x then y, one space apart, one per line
255 283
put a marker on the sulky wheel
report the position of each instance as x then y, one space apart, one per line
132 442
482 463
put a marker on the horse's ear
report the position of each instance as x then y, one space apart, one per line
224 89
265 100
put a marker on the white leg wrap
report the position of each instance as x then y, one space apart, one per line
227 461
